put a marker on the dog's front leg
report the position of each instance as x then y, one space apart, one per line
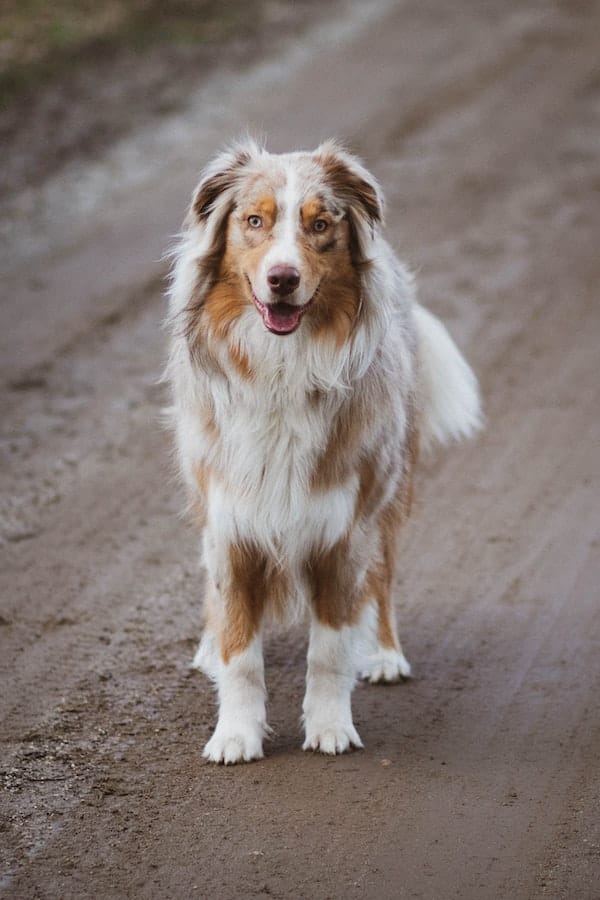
329 681
237 667
242 725
335 581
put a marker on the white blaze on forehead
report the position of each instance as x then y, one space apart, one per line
285 248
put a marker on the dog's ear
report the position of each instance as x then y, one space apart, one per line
212 202
205 228
214 192
357 192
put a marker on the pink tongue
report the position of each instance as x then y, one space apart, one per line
282 317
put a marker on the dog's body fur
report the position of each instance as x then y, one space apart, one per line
299 450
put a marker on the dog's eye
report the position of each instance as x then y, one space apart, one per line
320 225
254 221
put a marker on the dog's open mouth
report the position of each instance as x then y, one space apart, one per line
280 318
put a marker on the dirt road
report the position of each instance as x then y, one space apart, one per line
480 778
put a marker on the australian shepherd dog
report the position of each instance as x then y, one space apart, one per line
305 378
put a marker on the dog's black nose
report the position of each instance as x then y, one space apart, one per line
283 280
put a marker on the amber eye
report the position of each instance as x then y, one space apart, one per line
255 221
320 225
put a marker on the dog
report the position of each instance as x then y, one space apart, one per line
304 379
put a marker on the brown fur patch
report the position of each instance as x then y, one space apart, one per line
336 311
336 462
313 209
240 361
209 421
333 465
371 487
254 583
316 397
381 574
245 599
336 308
207 277
265 206
332 582
223 306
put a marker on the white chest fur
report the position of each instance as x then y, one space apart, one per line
270 440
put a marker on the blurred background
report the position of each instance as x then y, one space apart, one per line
75 76
480 778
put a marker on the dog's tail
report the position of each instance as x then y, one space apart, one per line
449 402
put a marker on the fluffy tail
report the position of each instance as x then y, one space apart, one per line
449 393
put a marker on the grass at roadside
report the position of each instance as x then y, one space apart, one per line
39 40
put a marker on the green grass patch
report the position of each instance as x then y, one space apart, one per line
40 40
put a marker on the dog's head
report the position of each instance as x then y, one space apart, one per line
288 234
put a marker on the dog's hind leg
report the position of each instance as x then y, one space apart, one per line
383 659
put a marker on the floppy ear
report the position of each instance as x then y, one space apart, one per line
213 194
357 192
206 222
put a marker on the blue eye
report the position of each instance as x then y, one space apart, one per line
320 225
255 221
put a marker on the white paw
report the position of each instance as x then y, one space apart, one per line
329 737
386 665
235 743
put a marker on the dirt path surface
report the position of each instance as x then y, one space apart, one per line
480 778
